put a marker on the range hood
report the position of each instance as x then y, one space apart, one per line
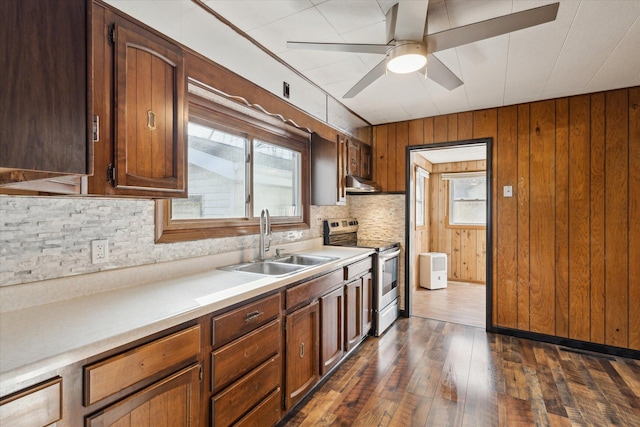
361 185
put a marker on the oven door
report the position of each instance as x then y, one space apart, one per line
387 277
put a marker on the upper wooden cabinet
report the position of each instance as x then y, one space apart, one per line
359 159
140 99
328 171
44 90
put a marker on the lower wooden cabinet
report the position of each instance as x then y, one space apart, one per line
353 308
331 336
173 401
367 303
302 360
40 405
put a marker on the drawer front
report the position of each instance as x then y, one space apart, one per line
40 405
241 356
102 379
242 396
312 289
238 322
357 268
266 414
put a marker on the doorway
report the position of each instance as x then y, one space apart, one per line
448 211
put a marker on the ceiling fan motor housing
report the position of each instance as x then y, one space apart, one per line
407 57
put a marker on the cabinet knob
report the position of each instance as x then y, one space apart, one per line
301 350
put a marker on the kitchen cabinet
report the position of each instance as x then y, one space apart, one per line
40 405
140 99
246 364
157 383
45 92
358 302
302 360
359 159
331 338
328 171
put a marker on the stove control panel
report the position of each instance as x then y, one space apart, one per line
340 226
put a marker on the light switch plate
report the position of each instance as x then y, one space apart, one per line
507 191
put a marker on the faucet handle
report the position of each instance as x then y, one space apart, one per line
278 252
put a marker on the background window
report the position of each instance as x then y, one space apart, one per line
467 199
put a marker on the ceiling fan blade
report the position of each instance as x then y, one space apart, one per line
441 74
340 47
490 28
368 78
411 19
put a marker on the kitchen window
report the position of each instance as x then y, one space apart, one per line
240 162
467 199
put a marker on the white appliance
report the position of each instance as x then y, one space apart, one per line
433 270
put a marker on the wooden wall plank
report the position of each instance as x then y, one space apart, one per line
616 217
440 128
542 174
452 127
506 207
597 218
402 140
392 152
522 193
562 218
427 130
465 126
634 218
452 246
468 248
416 132
579 198
481 256
380 155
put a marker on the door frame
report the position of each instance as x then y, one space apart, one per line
408 209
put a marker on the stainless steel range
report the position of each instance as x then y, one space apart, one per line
344 232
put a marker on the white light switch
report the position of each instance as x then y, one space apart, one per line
507 191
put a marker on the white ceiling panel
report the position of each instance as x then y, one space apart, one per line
593 45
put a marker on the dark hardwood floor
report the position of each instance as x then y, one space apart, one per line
424 372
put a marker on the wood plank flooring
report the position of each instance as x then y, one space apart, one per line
425 372
459 302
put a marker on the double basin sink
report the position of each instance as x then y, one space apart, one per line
283 266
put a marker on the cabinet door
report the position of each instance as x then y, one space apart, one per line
303 362
353 313
367 303
342 171
44 117
365 161
331 341
353 156
174 402
150 98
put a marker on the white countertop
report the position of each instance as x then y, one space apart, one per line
41 339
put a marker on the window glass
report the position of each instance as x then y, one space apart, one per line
276 180
468 201
217 175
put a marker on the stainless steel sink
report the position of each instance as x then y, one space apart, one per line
281 266
305 259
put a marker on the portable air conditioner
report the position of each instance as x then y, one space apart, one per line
433 270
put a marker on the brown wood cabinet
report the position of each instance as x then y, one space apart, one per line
367 303
328 171
173 401
359 159
331 333
302 361
40 405
140 98
353 309
45 92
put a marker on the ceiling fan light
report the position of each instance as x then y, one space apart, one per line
407 58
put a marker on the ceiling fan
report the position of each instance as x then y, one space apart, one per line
409 48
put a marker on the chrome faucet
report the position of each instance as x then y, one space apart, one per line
265 229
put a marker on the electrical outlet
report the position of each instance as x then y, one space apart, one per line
99 251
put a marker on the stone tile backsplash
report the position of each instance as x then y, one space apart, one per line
50 237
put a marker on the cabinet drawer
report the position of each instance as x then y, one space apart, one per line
242 396
267 413
357 268
312 289
236 359
37 406
107 377
238 322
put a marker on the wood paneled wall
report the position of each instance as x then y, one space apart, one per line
566 246
466 248
420 235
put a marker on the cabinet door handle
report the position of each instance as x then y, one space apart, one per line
253 315
301 350
151 120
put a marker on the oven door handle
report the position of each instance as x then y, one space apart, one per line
387 255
